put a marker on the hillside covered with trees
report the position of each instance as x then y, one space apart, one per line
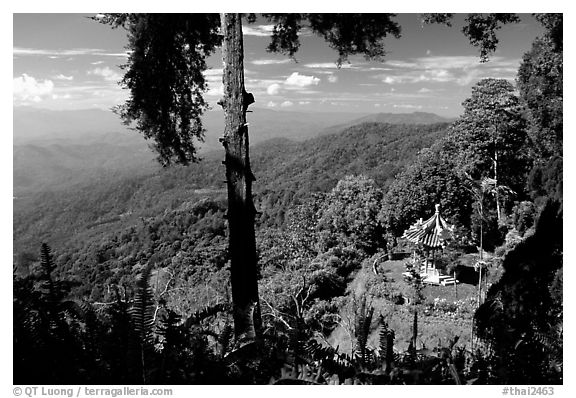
134 278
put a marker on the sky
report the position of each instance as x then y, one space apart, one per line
67 61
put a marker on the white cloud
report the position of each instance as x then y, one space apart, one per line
298 80
332 78
407 106
401 64
28 89
61 96
213 75
460 70
450 62
424 90
63 77
304 102
65 53
329 65
97 63
258 30
254 85
213 72
286 104
271 104
106 73
273 89
377 69
391 80
270 61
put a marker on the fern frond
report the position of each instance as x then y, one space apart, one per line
225 339
364 322
329 358
46 260
386 344
142 310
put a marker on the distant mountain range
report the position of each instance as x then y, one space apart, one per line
47 126
286 172
56 149
391 118
42 126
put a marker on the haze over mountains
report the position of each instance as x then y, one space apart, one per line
286 171
57 149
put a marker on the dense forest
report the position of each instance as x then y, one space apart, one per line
125 278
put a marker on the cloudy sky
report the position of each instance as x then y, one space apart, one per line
67 61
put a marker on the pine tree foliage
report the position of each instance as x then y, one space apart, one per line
480 29
348 34
164 74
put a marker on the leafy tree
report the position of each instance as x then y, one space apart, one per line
302 225
540 84
479 28
431 179
350 215
296 244
545 180
490 135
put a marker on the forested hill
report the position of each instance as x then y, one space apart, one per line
391 118
286 172
56 149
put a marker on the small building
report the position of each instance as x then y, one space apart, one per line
431 235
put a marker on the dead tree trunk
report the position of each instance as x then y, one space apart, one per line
239 177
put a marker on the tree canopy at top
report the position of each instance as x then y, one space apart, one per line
168 55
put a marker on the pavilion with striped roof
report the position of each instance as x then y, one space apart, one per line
431 234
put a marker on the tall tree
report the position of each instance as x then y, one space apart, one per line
164 75
490 136
239 177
